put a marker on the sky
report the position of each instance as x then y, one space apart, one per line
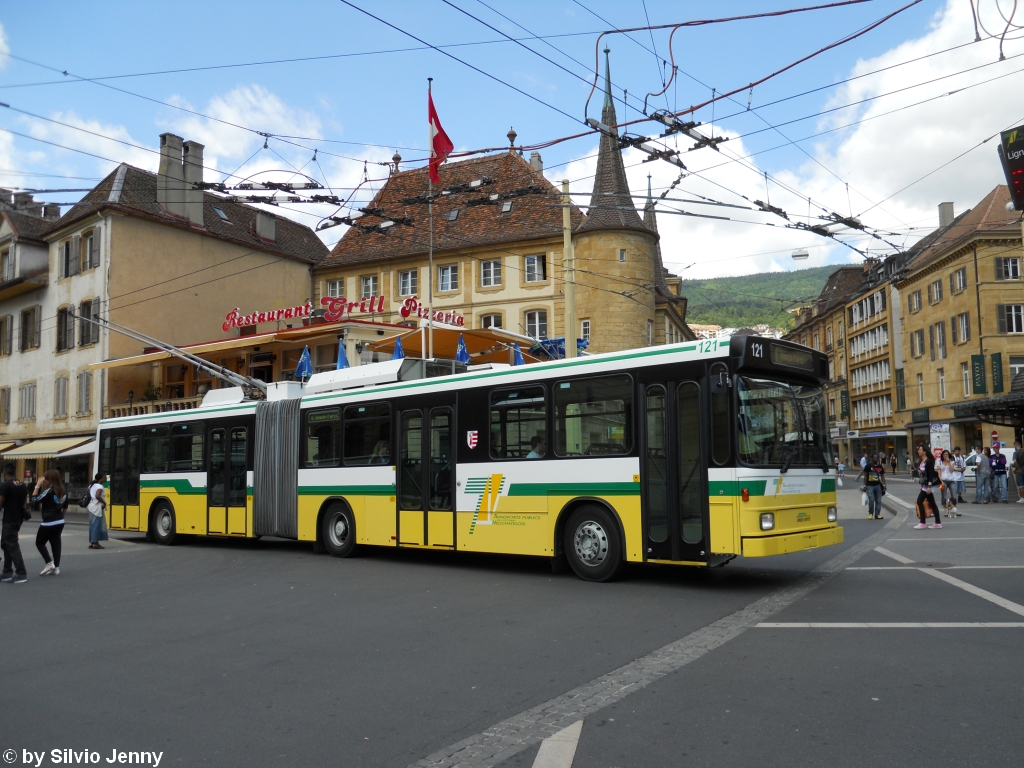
86 86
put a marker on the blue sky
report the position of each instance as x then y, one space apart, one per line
373 96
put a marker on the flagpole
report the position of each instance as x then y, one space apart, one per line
430 256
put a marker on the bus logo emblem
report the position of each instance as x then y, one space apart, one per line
489 490
472 438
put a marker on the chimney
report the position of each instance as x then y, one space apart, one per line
193 165
266 227
536 163
945 215
6 198
170 181
51 212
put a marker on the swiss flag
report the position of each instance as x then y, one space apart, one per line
440 144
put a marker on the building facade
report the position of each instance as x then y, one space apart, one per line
149 252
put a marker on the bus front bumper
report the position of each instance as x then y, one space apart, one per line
763 546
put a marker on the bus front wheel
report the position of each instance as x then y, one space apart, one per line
338 531
164 527
592 544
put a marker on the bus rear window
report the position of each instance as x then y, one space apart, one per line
594 417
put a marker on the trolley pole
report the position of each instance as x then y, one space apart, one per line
569 273
430 253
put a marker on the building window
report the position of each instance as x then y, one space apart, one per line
490 321
5 405
535 269
650 333
867 308
585 330
68 257
368 286
1016 365
453 214
917 343
942 383
407 282
27 402
537 324
84 393
870 341
935 292
940 341
88 329
6 334
335 288
91 251
914 302
1008 269
832 408
817 342
65 328
60 397
506 207
828 338
870 375
965 375
30 327
6 266
958 280
961 328
220 213
1010 318
448 278
841 337
622 254
490 273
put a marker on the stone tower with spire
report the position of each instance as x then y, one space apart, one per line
616 253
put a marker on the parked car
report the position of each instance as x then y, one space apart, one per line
972 462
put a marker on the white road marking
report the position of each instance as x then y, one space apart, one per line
893 555
962 538
913 568
992 519
893 625
559 750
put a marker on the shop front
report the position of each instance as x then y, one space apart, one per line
71 456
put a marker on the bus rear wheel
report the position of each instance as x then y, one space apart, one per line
163 527
338 531
592 544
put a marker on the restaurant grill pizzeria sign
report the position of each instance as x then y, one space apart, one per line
336 308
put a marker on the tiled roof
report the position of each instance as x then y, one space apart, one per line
839 285
651 223
988 217
133 191
28 227
533 216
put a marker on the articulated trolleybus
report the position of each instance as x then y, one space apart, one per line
688 454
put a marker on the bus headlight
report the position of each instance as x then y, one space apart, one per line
833 514
767 521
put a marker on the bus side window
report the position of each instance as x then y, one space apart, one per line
105 453
368 434
187 447
156 449
519 423
720 425
323 437
594 417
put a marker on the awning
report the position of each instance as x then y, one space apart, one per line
46 448
5 446
83 450
196 349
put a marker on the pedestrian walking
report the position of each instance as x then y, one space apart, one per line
926 499
874 486
864 460
53 500
97 507
947 489
959 465
998 463
1018 470
15 512
841 469
893 462
983 477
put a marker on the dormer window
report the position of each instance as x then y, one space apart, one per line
453 214
506 207
223 216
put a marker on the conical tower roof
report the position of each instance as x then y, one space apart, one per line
651 222
611 207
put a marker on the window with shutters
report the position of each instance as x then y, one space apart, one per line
407 282
88 332
27 402
1010 318
958 280
91 249
30 327
1008 269
65 329
5 405
940 340
6 335
961 325
914 302
84 393
917 343
490 273
60 397
935 292
6 266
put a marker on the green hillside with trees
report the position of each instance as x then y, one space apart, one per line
735 302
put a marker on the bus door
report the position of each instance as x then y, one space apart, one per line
124 481
426 472
226 486
674 473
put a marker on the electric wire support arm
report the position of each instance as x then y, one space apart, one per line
249 385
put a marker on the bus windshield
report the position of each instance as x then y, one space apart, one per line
781 424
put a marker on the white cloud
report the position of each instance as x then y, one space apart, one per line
4 47
94 138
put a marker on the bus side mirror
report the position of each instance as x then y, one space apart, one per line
720 383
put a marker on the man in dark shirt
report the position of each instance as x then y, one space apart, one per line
998 464
12 500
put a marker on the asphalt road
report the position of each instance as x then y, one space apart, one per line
264 654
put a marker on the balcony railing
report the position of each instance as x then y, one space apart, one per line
158 406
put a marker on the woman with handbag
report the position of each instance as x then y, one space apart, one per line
947 488
49 492
925 499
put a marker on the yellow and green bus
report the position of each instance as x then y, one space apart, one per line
685 454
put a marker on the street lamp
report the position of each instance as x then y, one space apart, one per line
800 255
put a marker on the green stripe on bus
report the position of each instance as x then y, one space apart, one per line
735 487
828 485
347 490
180 487
574 489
